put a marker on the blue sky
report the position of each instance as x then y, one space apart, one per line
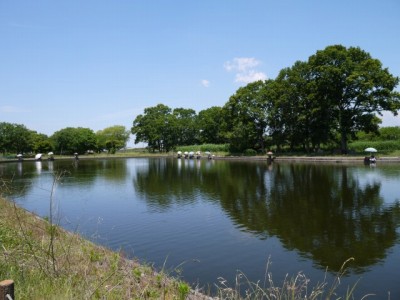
100 63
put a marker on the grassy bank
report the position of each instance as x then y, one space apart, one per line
47 262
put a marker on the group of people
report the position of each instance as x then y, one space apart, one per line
191 154
370 159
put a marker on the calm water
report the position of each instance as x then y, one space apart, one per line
212 218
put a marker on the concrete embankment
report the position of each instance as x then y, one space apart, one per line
329 159
335 159
341 159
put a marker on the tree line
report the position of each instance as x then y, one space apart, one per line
325 102
16 138
322 102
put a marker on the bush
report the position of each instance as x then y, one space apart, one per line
381 146
250 152
205 147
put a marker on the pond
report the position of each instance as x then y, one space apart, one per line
209 219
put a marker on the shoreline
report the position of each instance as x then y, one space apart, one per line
94 270
335 159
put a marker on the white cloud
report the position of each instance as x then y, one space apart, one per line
205 83
241 64
250 76
245 69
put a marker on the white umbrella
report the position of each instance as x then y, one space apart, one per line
19 155
38 156
50 153
370 149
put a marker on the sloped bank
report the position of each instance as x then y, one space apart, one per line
47 262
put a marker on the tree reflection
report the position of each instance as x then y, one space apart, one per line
322 212
24 176
327 215
167 182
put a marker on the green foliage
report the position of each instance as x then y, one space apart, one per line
355 87
383 134
137 273
297 117
152 127
211 124
213 148
112 138
70 140
41 143
389 133
183 127
14 138
250 152
183 289
94 255
328 99
246 116
381 146
164 129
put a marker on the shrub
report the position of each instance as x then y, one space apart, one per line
205 147
250 152
381 146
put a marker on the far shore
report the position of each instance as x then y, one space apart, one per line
283 158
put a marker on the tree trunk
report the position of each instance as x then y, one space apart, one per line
343 142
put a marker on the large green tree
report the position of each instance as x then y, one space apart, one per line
41 143
246 117
184 128
70 140
355 87
164 129
304 121
112 138
210 123
153 127
15 138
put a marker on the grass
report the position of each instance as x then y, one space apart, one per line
83 270
293 288
77 269
47 262
387 148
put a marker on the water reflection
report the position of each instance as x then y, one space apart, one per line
166 182
229 214
325 213
69 172
38 165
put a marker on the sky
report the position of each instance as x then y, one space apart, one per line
97 63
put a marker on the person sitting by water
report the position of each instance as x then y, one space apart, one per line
372 159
